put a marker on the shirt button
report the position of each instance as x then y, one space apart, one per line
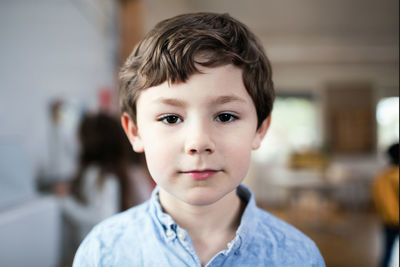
170 233
181 236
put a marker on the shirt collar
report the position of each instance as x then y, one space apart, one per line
168 226
165 222
248 221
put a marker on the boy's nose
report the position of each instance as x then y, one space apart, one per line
198 141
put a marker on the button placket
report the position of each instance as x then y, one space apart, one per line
186 243
181 236
170 234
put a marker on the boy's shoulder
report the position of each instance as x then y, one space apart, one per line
113 234
274 241
279 230
287 243
269 225
112 227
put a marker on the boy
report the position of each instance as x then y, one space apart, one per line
196 97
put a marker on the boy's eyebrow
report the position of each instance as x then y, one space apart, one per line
227 98
171 102
218 101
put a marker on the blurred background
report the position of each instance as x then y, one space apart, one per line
336 66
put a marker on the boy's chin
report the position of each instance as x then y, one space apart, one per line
201 202
202 198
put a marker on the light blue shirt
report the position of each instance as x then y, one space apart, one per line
146 236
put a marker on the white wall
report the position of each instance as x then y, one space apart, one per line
30 234
48 49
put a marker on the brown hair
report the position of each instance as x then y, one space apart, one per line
104 144
172 49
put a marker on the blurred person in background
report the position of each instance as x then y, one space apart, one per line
110 176
386 199
59 159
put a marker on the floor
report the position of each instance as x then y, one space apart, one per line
345 237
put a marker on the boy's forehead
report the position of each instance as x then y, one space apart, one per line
215 86
216 76
221 72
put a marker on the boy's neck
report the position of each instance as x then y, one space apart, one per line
210 227
220 217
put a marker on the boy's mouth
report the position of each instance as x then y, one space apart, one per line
200 174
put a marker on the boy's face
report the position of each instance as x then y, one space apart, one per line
197 136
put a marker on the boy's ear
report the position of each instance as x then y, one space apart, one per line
132 132
261 131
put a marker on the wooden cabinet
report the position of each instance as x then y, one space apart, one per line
350 126
131 26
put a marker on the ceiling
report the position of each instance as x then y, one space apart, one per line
307 30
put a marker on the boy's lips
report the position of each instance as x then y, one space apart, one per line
201 174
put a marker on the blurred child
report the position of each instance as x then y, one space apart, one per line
59 162
110 177
386 198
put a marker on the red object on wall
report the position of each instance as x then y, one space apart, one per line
105 98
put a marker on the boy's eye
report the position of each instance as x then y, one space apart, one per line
170 119
226 117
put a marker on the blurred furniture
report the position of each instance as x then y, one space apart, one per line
345 182
29 223
350 126
308 159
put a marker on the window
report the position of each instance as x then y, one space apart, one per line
387 117
294 127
